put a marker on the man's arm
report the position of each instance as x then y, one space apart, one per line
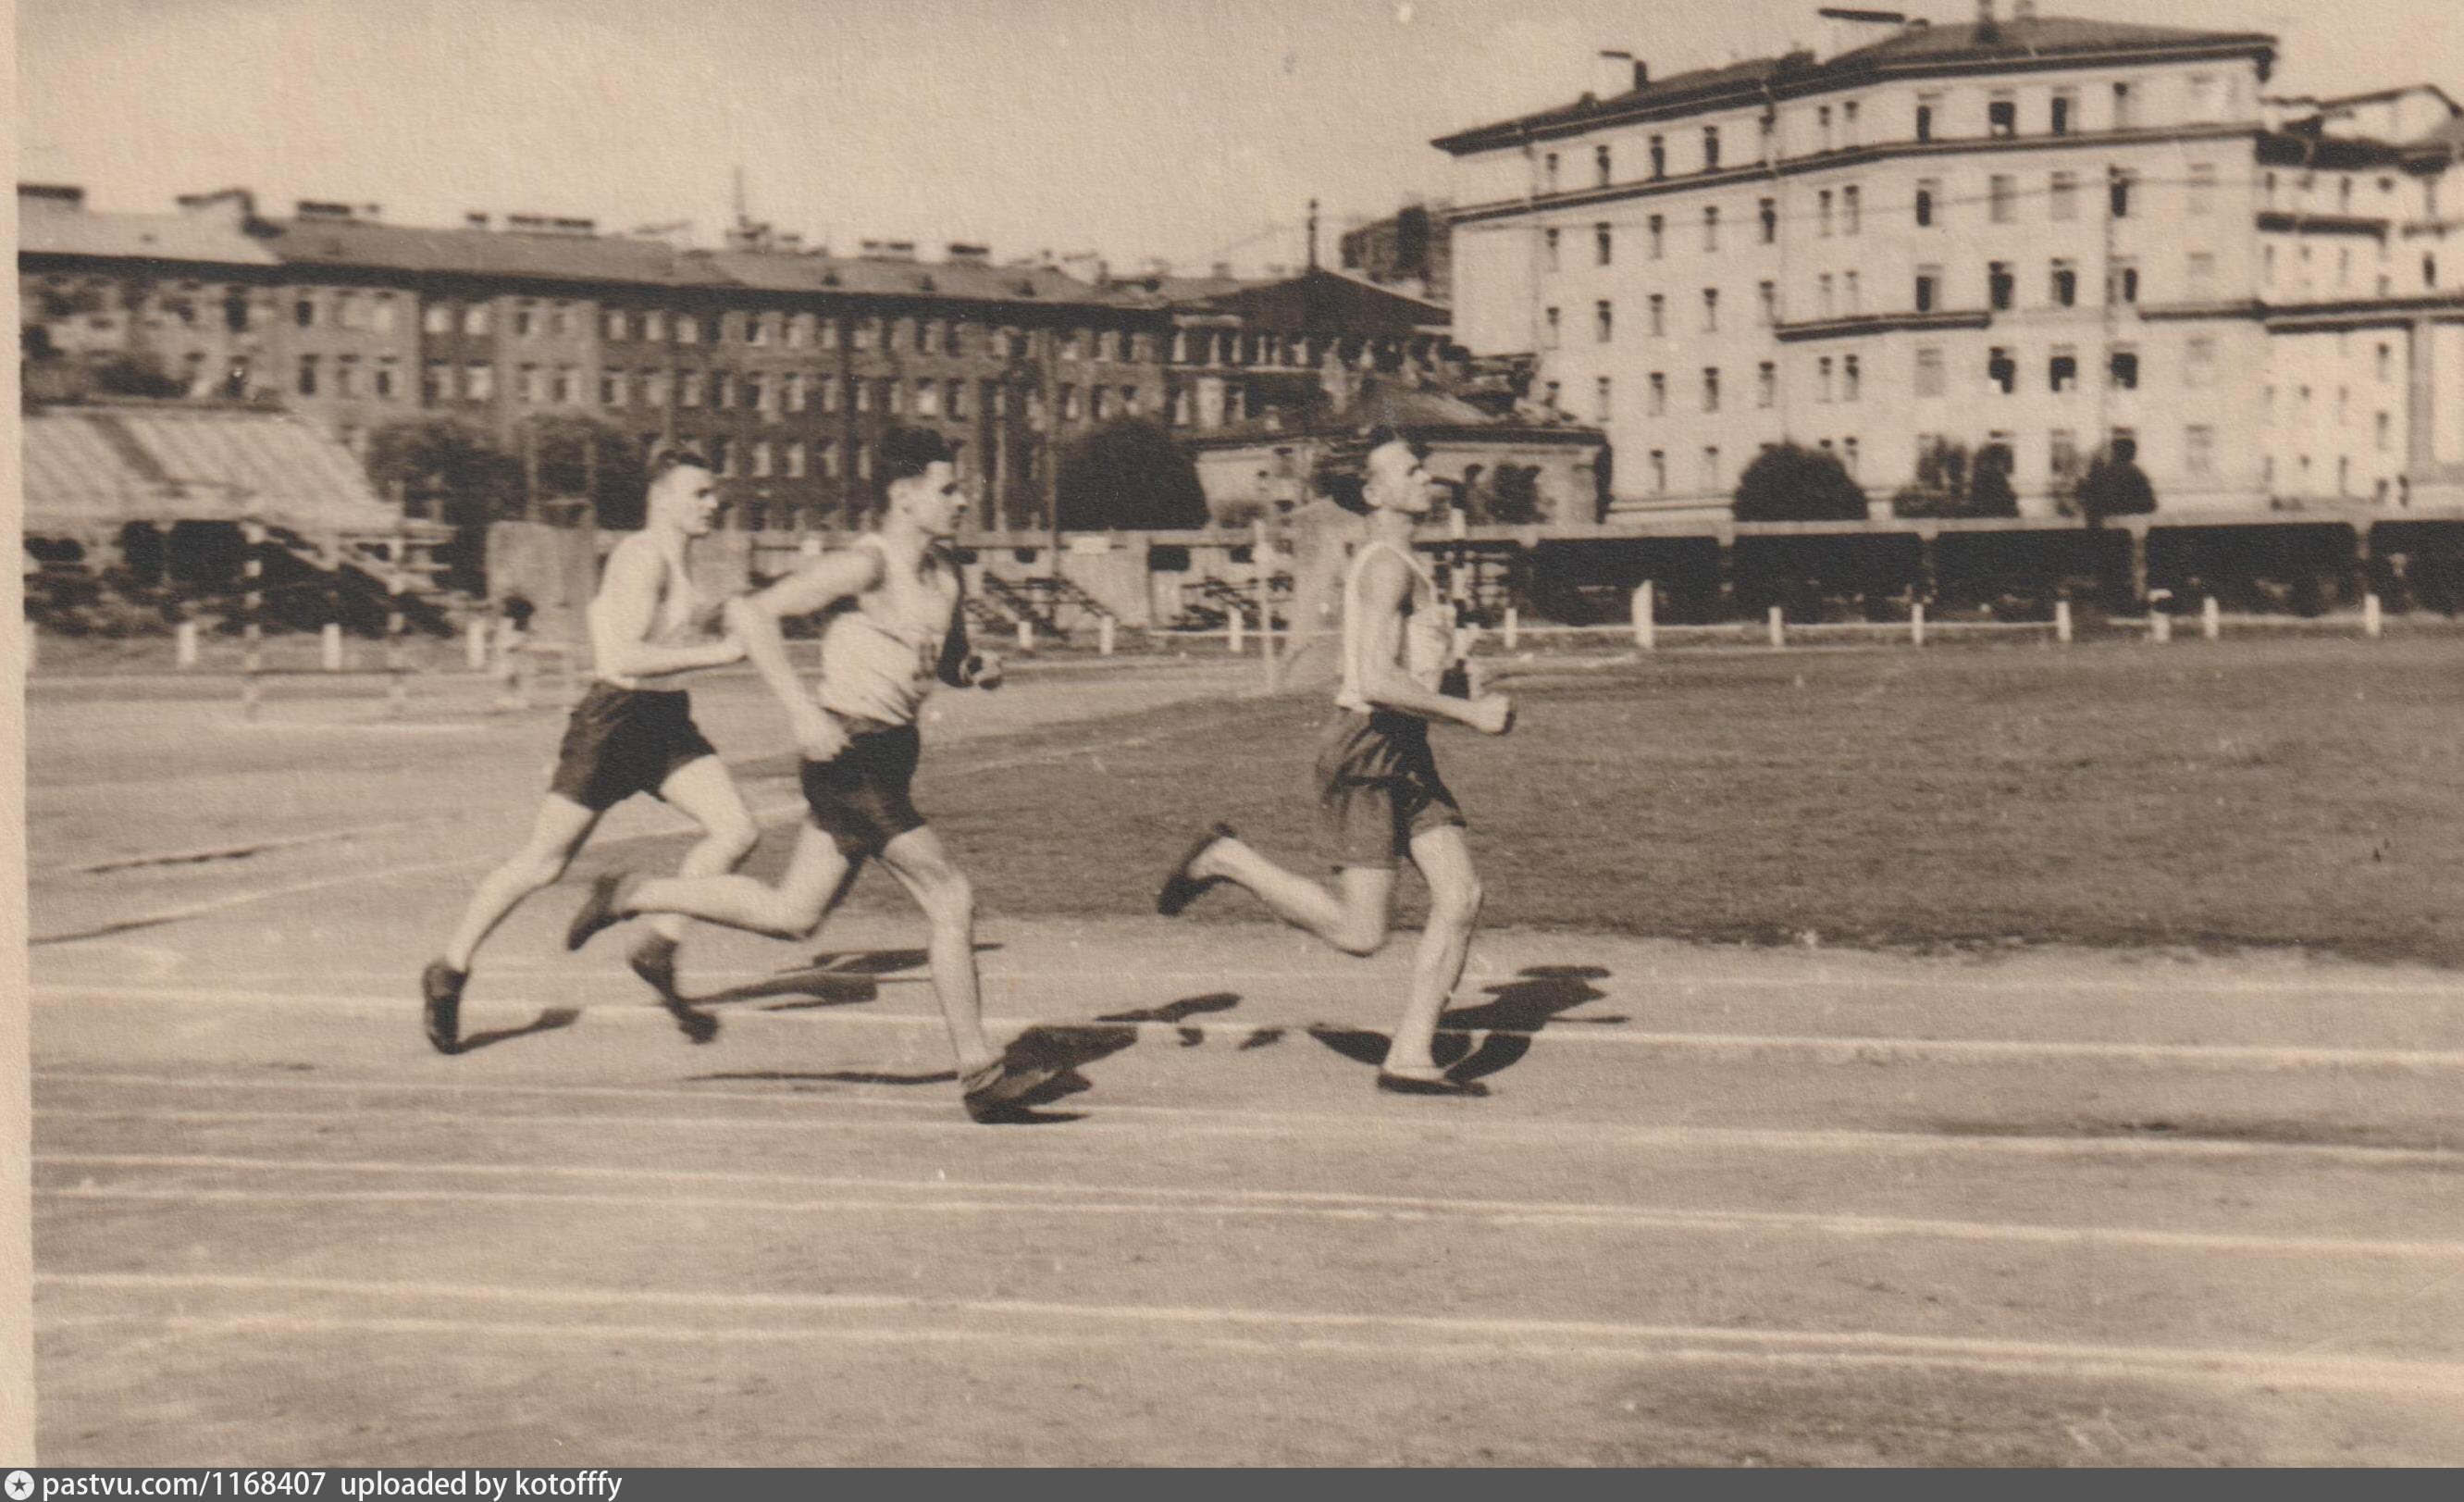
1385 588
621 615
819 584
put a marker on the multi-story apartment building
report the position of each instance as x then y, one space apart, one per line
2061 235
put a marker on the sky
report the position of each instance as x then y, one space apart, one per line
1188 130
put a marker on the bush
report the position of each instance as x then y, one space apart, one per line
1128 476
2115 487
137 375
1789 483
431 456
1989 483
1940 488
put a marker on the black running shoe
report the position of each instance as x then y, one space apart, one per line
995 1091
1430 1084
440 995
1181 889
655 961
598 911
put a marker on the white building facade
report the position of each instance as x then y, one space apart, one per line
2059 235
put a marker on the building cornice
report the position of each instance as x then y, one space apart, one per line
2272 220
1880 323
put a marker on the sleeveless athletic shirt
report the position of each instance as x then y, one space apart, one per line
672 623
1428 641
878 655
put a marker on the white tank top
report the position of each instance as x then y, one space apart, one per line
878 655
672 623
1428 640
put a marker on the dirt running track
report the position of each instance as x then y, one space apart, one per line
1725 1206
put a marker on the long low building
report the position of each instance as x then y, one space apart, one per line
2065 236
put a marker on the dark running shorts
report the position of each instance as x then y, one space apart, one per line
623 741
1378 786
859 797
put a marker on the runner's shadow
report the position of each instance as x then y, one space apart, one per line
1067 1048
552 1019
1520 1009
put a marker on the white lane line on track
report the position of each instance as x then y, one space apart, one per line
1453 1125
1454 1336
1840 1049
1033 1198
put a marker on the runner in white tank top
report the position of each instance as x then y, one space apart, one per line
897 631
1380 795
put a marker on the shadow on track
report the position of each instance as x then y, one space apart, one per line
1517 1010
552 1019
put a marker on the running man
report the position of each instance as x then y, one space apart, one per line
897 629
1379 795
646 623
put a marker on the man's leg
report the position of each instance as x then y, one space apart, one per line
922 866
818 875
1353 918
560 831
707 795
1444 859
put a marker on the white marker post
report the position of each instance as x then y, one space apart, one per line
1513 628
2160 626
475 646
253 629
1916 623
2210 622
1262 560
1645 636
1232 632
2063 622
2371 624
397 667
1025 635
330 647
1778 631
183 639
1104 635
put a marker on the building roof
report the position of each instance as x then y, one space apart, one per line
957 281
358 244
1319 300
89 469
1911 48
69 230
1383 401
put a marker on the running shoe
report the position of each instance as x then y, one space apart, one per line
1181 889
598 911
1430 1084
440 995
996 1091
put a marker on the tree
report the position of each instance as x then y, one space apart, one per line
1511 497
475 481
584 456
1128 476
137 375
1989 483
1789 484
1941 487
2115 487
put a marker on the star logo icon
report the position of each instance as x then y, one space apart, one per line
21 1486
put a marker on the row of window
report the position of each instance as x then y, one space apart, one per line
2064 458
783 330
1840 378
562 385
1838 127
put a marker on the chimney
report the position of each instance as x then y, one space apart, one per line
1641 74
231 205
49 196
960 254
315 208
475 221
1612 73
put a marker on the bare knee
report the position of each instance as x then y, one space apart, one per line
1360 933
535 870
733 840
1458 907
948 899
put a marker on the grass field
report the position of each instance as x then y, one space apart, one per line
2238 794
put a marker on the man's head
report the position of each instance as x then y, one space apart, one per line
1393 477
919 478
684 495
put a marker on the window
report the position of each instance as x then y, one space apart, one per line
1929 192
1851 210
1848 445
893 397
2123 367
525 321
2064 196
1851 378
2061 372
829 393
2126 108
2065 285
2203 188
1659 403
1929 370
795 390
1549 250
928 399
1852 302
611 388
861 334
827 333
688 329
1659 158
722 456
1822 212
1767 295
1822 295
689 387
1848 121
2383 429
762 459
1768 209
2001 372
1710 310
2002 196
1711 388
864 462
2199 365
2002 117
1603 322
1928 287
1927 104
1822 372
1600 400
2386 361
656 387
436 318
303 313
1659 245
1549 328
722 389
2118 184
1823 124
435 382
2124 286
1711 227
794 455
1600 163
479 381
2124 446
307 378
2199 451
1711 149
1068 403
1549 172
2065 110
346 311
2062 453
1603 245
385 378
568 386
1660 472
826 457
1711 470
654 325
612 325
2201 274
2207 99
1659 307
1998 285
799 335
